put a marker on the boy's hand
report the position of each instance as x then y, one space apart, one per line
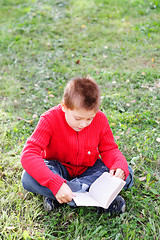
118 173
64 194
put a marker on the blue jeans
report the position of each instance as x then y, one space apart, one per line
77 184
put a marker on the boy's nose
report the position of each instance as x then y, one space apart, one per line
83 124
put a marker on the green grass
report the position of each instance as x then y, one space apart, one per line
45 43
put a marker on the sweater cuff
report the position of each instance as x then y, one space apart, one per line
55 183
123 166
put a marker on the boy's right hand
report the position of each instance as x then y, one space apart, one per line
64 194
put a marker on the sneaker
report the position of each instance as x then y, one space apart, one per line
50 204
117 207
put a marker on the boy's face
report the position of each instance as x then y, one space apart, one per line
78 119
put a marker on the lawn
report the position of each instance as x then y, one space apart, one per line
44 44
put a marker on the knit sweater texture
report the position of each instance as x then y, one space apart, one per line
54 139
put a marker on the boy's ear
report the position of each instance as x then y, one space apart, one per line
63 106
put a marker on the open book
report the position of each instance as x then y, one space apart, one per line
101 193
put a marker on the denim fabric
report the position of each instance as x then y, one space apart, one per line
79 184
94 172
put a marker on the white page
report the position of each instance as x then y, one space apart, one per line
106 188
102 192
84 199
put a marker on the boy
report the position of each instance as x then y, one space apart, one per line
62 155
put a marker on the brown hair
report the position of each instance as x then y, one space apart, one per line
82 93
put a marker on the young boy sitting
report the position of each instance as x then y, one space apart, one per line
71 147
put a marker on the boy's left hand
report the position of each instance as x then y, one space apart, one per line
118 173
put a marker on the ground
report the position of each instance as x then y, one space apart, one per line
44 44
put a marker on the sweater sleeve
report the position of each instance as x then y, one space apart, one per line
111 155
32 161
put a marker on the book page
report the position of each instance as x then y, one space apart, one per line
106 188
84 199
101 193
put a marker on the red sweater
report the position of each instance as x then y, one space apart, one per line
54 139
